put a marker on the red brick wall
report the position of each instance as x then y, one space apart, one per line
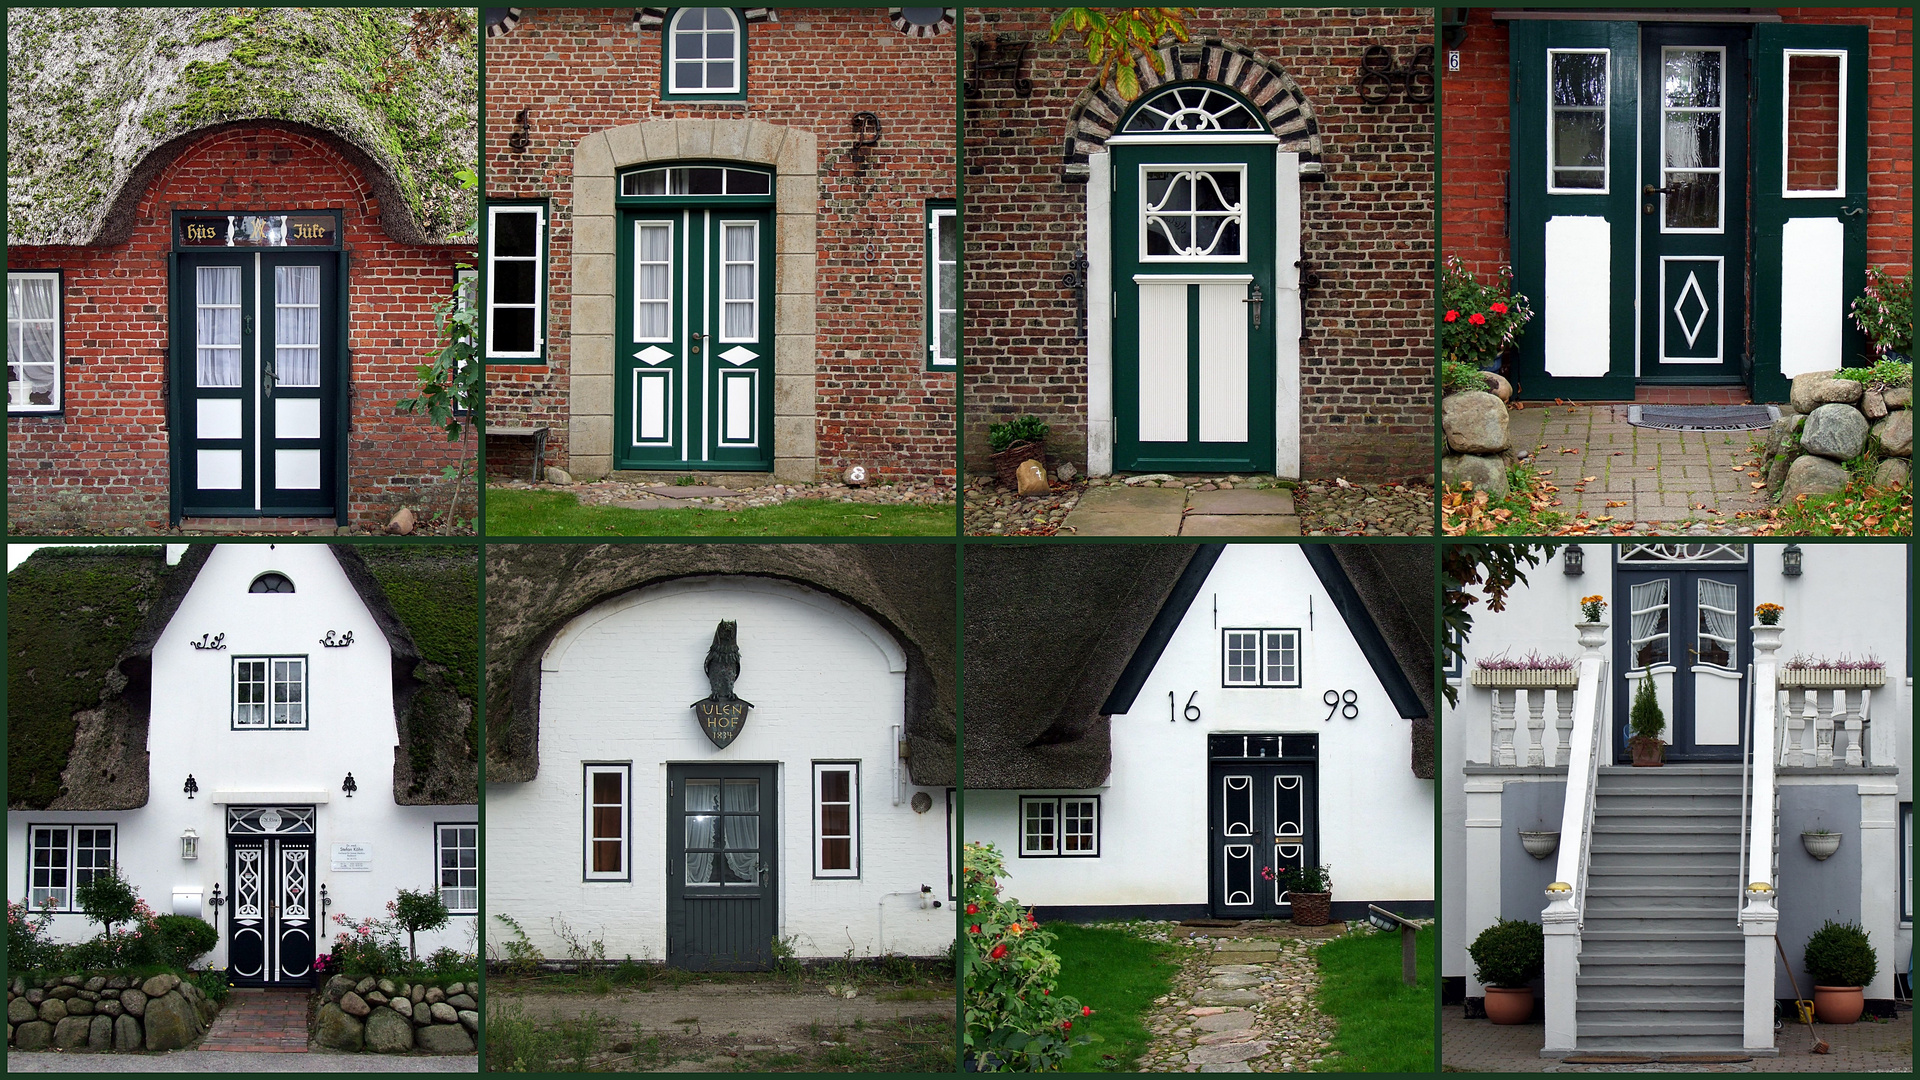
1366 408
1475 136
103 465
582 71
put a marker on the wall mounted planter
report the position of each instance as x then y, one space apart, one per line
1820 845
1525 678
1823 679
1539 844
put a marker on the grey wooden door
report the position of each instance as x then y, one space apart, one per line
722 866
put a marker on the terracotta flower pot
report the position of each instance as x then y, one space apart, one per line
1509 1005
1311 908
1646 752
1839 1004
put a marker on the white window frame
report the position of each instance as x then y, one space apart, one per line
1263 637
440 867
725 298
852 769
1720 168
640 228
1055 810
624 770
1606 117
69 846
539 260
673 32
1787 190
1240 217
268 720
940 219
17 404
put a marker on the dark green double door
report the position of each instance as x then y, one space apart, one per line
1193 248
694 356
723 872
258 375
1638 150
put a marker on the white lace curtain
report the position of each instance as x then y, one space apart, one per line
33 356
654 306
217 318
296 325
743 271
1649 600
1719 611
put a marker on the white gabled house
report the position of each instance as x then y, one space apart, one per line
1176 724
1643 880
193 715
699 753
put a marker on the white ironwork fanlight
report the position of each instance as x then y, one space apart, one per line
1683 553
1192 109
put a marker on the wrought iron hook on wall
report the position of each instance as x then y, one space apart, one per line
993 53
1076 279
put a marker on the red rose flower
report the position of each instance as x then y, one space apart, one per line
1477 319
974 929
999 951
1501 308
1066 1025
1086 1010
973 909
1452 315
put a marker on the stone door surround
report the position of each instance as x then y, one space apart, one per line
793 154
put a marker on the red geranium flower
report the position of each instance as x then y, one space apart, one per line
973 909
1452 315
1477 319
1501 308
999 951
1066 1025
974 929
1086 1010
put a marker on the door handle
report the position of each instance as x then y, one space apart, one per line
1257 299
1650 191
268 375
695 339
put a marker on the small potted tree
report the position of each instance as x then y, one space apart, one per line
1507 957
1015 441
1310 890
1647 722
1841 962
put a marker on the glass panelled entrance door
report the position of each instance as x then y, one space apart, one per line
694 345
723 870
1685 625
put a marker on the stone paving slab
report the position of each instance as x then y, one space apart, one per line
1113 498
1121 524
1242 501
1240 525
1170 508
691 491
1482 1046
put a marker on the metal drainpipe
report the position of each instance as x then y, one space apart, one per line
924 895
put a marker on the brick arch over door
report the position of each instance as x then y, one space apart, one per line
793 154
1288 113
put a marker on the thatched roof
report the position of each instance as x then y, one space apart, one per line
534 590
82 623
99 100
1060 637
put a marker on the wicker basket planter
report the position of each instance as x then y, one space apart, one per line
1526 678
1007 462
1825 679
1311 908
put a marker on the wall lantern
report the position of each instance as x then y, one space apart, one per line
189 844
191 786
1573 561
1382 919
1790 561
349 786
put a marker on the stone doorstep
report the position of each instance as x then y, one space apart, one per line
1242 501
1240 525
1113 498
1120 523
691 491
273 525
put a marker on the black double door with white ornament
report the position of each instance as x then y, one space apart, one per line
273 922
1263 818
723 870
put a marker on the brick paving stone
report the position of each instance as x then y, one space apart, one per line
260 1021
1481 1046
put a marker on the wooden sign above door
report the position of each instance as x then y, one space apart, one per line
256 231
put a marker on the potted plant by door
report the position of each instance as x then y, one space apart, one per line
1507 957
1310 890
1841 962
1647 722
1023 439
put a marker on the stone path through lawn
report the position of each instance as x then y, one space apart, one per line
1243 1004
1605 467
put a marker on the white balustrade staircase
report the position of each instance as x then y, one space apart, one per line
1661 964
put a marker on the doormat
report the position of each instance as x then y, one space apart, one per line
1703 417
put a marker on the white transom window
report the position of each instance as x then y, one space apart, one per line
1060 826
706 52
64 857
1260 657
270 692
33 343
1193 213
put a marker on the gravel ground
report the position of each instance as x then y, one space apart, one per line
992 510
935 492
215 1062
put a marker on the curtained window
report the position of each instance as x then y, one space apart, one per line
33 343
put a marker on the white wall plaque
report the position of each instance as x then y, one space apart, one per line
352 858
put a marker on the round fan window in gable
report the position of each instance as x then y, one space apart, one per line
921 22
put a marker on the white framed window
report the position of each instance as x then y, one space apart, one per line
1692 139
836 819
608 822
457 862
706 53
516 282
739 281
943 286
1060 826
1577 129
271 582
270 692
1260 657
35 374
1813 140
1193 213
62 858
653 281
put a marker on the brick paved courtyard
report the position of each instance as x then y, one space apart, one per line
1482 1046
1638 474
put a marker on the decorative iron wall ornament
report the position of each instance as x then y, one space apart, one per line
1076 279
1380 77
210 642
722 713
993 53
335 640
866 136
522 137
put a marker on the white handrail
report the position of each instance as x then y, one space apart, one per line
1567 897
1759 917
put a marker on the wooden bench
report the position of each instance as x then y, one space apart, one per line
537 434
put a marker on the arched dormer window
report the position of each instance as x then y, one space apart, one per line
271 582
706 54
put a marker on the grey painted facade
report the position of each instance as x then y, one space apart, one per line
1811 891
1524 879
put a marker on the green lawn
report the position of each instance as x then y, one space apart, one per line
557 513
1119 975
1385 1025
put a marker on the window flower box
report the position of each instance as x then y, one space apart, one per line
1525 678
